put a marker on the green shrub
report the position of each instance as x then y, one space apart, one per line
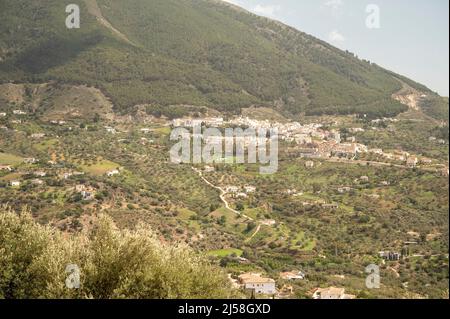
113 263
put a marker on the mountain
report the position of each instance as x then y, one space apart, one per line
167 53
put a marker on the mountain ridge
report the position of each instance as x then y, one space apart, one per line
198 52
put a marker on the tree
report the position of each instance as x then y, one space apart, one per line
250 226
316 187
113 263
222 220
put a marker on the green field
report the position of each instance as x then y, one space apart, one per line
10 159
163 130
11 177
99 168
45 145
185 214
225 252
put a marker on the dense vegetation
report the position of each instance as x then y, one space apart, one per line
396 204
436 107
113 263
171 58
202 53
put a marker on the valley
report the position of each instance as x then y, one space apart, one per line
87 176
334 204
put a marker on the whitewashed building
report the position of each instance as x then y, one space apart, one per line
331 293
112 173
5 168
14 183
293 275
257 283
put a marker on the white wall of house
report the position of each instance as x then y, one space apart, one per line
262 288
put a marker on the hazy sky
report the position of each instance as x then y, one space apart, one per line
412 38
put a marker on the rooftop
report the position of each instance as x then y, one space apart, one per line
250 278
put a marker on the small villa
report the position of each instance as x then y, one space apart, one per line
231 189
113 172
14 183
5 168
40 174
309 164
208 169
30 160
332 293
292 275
259 284
250 189
37 182
412 161
37 135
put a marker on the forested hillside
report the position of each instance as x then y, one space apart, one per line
192 52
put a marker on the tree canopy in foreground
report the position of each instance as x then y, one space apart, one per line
113 263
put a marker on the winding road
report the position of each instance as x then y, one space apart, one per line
223 193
